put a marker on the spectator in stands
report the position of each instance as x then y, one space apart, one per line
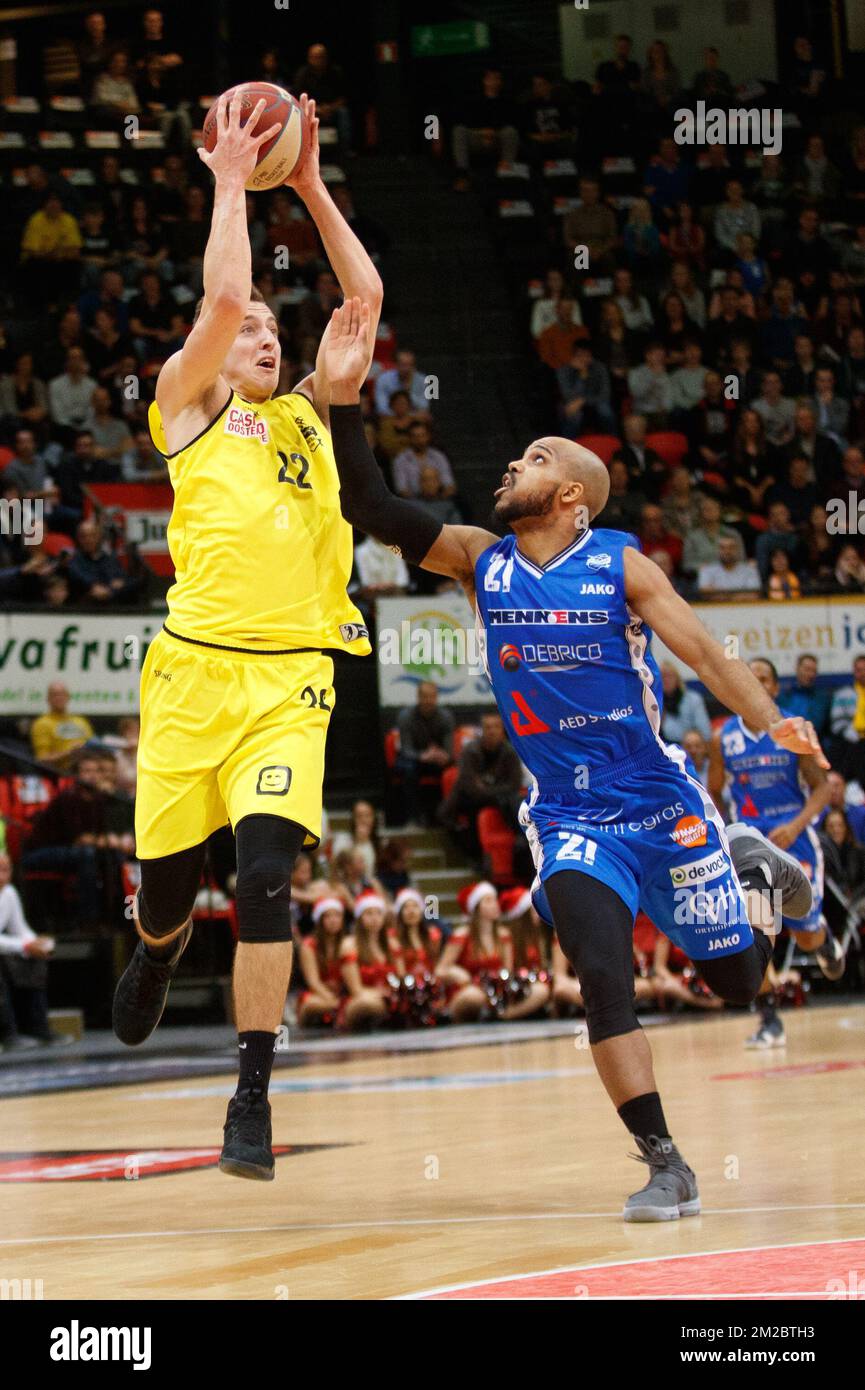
659 81
654 536
394 428
50 253
730 576
784 324
833 412
624 506
751 265
99 245
489 774
697 748
546 118
409 463
111 438
95 573
646 469
842 797
78 468
779 534
370 233
734 216
776 410
70 395
544 310
106 346
557 342
143 463
634 306
703 544
437 504
593 225
850 571
711 84
684 708
153 42
817 180
751 472
402 377
188 238
681 504
642 241
650 387
93 50
806 697
799 495
313 314
687 242
23 397
124 747
361 837
683 283
688 383
808 258
819 551
324 81
783 582
799 379
616 348
585 393
674 329
487 122
145 247
114 92
666 182
26 471
727 325
23 972
847 725
844 855
57 735
807 79
381 573
821 452
425 749
109 295
154 320
851 476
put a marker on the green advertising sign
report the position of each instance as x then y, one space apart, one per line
437 40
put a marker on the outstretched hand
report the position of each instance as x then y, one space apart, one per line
236 150
307 173
347 351
798 735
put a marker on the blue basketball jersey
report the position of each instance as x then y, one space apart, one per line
765 783
569 663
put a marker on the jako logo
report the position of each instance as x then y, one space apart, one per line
597 588
698 870
599 562
723 943
76 1343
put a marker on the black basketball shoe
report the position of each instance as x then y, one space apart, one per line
139 999
246 1151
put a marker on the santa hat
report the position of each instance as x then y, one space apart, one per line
471 895
323 905
513 902
368 899
408 895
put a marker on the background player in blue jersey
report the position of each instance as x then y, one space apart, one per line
781 794
613 819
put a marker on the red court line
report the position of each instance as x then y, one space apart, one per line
838 1267
784 1073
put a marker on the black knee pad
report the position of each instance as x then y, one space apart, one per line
267 847
737 978
168 890
609 1002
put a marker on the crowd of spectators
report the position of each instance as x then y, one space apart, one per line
696 312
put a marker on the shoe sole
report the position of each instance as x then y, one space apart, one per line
691 1208
138 1040
236 1168
782 854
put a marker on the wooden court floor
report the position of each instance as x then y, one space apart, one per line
440 1170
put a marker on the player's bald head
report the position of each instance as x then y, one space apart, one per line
580 465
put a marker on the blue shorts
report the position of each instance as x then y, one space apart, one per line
651 832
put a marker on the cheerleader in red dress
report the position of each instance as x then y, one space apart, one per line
665 973
531 962
417 940
320 964
476 954
371 965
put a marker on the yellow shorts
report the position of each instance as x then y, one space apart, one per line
226 735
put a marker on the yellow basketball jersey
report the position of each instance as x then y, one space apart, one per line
262 554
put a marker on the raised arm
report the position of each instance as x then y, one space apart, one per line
190 377
357 276
653 598
365 499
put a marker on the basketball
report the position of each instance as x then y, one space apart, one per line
278 157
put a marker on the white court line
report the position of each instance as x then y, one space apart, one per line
409 1222
620 1263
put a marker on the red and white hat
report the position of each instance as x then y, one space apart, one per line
368 899
323 905
513 902
408 895
471 895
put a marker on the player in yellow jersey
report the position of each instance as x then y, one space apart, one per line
237 690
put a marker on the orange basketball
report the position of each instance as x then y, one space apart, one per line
278 157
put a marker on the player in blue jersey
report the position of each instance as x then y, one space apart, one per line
781 793
613 819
